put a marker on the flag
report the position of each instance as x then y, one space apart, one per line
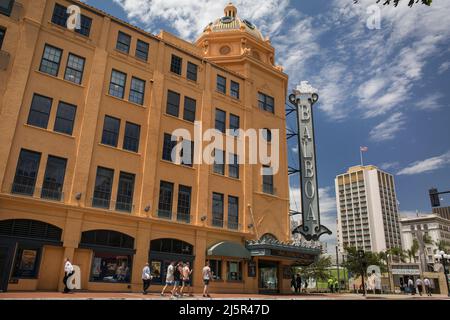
363 149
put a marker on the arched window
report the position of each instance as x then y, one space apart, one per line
171 246
107 238
31 229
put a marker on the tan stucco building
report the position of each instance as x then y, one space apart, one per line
86 117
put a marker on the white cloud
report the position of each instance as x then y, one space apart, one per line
427 165
387 129
444 67
389 165
430 102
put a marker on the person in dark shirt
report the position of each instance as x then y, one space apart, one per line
298 283
177 274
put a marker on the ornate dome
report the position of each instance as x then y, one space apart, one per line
231 22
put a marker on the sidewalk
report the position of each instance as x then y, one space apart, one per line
155 296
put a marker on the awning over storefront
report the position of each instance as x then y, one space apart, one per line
229 249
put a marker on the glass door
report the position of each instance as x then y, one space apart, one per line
268 277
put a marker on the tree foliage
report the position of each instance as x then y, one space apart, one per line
356 265
318 270
396 2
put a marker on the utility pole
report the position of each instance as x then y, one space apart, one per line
337 263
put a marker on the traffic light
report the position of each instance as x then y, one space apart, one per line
434 198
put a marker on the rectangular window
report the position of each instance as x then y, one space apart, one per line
26 172
110 267
60 17
233 213
266 102
40 111
54 178
173 103
221 117
234 124
221 84
131 139
125 192
219 161
65 118
217 210
233 167
123 42
168 147
192 70
216 269
176 64
26 262
165 200
184 204
234 271
187 153
234 90
2 36
189 109
103 187
111 127
117 85
74 69
51 60
268 180
142 50
6 7
137 91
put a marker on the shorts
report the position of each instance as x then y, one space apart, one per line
170 283
206 281
177 283
186 282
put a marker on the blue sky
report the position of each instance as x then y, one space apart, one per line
386 88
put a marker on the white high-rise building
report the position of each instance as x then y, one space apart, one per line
367 209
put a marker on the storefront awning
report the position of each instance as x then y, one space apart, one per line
229 249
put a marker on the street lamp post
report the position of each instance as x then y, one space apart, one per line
443 257
338 273
363 265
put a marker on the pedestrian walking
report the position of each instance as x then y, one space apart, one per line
428 288
169 277
293 283
419 285
298 284
306 286
207 276
186 279
68 272
177 279
411 286
146 278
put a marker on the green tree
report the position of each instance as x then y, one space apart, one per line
398 253
354 264
318 270
396 2
414 249
441 245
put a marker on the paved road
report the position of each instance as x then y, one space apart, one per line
155 296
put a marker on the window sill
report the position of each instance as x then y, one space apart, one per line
120 149
61 79
268 195
126 101
227 177
180 119
127 56
49 131
177 164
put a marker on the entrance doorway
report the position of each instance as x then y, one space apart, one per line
6 254
268 277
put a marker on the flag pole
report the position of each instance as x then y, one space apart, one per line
361 155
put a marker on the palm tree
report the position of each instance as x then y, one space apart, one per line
441 245
414 249
398 253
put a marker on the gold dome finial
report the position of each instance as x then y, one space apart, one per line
230 10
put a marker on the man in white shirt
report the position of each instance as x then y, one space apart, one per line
186 278
68 271
419 285
206 273
146 278
169 277
428 288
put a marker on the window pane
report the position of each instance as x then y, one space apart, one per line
221 84
233 213
125 192
191 71
217 209
60 15
268 180
26 262
187 153
54 178
111 128
131 139
176 64
142 50
107 267
173 103
65 118
234 90
234 124
85 26
266 102
165 200
189 109
233 169
123 42
103 186
184 204
137 91
219 161
26 172
40 111
2 36
51 60
168 146
74 69
117 85
220 120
